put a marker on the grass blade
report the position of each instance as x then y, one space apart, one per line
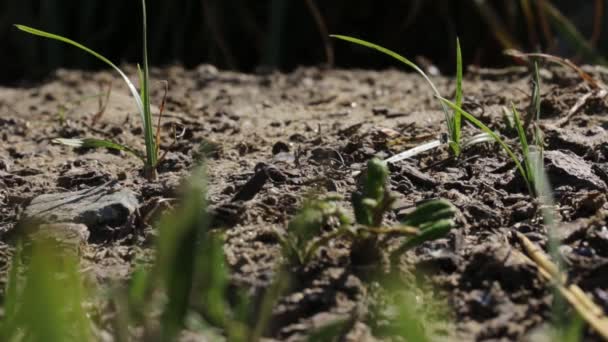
487 130
526 8
179 240
414 151
51 299
477 139
11 296
456 116
523 140
98 143
496 25
151 152
48 35
402 60
595 84
521 132
571 34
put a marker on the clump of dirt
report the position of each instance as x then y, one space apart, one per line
271 140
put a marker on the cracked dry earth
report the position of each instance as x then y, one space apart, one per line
272 140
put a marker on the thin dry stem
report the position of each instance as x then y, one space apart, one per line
597 22
582 303
600 94
544 24
102 104
160 115
318 17
595 84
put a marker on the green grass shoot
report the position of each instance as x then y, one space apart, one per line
456 116
525 148
492 134
429 221
142 99
451 120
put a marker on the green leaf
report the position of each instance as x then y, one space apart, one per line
51 300
138 288
435 231
571 34
487 130
97 143
406 62
456 116
142 100
430 211
523 141
180 236
151 153
213 278
48 35
11 296
477 139
370 203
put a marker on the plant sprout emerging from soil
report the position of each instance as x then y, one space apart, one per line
493 135
430 220
142 100
453 118
532 155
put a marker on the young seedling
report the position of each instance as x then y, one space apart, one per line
532 154
302 241
493 135
598 89
142 99
452 118
304 237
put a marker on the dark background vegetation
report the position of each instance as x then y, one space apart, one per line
246 34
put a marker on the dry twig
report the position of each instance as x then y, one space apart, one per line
584 306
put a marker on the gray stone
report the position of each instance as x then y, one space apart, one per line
95 207
566 168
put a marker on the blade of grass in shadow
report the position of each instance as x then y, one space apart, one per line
322 27
544 24
523 141
496 25
526 8
571 34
